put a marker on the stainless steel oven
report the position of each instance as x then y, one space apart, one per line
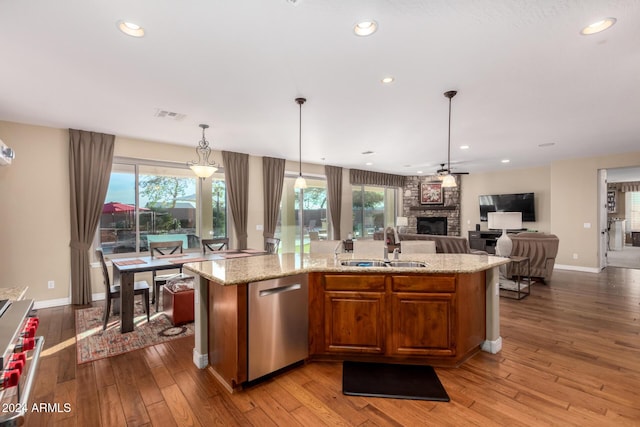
21 350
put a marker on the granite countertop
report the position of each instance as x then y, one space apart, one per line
263 267
13 294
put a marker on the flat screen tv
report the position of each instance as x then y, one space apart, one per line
520 202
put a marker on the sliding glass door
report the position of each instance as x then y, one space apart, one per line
373 210
303 215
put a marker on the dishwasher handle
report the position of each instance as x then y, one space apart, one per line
279 290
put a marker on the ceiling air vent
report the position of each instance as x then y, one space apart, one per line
164 114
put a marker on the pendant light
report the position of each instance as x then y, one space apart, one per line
449 180
301 183
203 168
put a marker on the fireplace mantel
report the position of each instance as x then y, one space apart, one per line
433 208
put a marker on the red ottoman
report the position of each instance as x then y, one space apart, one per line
178 306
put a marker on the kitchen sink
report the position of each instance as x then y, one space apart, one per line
363 263
373 263
409 264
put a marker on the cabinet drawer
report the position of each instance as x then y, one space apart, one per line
369 282
443 283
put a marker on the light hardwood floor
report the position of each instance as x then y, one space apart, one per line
571 356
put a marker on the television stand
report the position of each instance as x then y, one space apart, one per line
484 240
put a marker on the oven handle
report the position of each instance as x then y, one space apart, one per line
17 418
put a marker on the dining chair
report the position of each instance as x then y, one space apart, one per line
417 247
325 246
112 291
271 244
213 245
164 249
369 248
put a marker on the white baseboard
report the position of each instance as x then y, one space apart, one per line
51 303
492 347
200 360
63 301
576 268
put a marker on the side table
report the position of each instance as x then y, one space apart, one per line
519 262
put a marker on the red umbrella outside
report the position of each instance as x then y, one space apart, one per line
117 207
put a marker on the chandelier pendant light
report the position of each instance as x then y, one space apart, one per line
449 180
300 183
203 168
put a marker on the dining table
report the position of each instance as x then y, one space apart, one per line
124 270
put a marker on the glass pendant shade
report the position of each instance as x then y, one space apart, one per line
449 181
300 183
203 171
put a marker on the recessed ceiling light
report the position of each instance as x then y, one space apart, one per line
388 80
505 160
365 28
464 147
368 152
597 27
131 29
368 163
419 172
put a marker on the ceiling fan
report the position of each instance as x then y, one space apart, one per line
444 171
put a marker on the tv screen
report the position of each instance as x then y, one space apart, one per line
521 202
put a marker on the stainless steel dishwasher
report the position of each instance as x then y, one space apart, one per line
278 324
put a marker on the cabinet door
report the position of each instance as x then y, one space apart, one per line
354 322
422 324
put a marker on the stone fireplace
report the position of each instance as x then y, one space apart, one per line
432 225
415 211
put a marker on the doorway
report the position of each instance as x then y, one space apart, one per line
621 217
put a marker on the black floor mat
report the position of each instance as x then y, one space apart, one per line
391 380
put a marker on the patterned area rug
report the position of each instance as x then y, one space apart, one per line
92 343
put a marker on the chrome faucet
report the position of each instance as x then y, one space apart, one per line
336 249
386 253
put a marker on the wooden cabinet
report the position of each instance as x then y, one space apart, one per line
396 317
422 312
354 308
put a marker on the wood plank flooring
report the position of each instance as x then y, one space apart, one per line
571 357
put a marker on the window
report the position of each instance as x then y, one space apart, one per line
632 214
311 203
373 210
157 201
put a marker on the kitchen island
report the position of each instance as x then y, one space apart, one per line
439 314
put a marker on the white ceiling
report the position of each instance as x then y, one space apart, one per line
524 75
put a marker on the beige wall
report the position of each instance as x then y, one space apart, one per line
574 202
34 211
533 180
34 204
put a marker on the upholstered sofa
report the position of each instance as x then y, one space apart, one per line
540 248
444 244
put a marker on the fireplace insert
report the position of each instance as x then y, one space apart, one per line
432 225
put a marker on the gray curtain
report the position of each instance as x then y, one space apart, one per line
361 177
236 172
90 160
272 181
334 196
